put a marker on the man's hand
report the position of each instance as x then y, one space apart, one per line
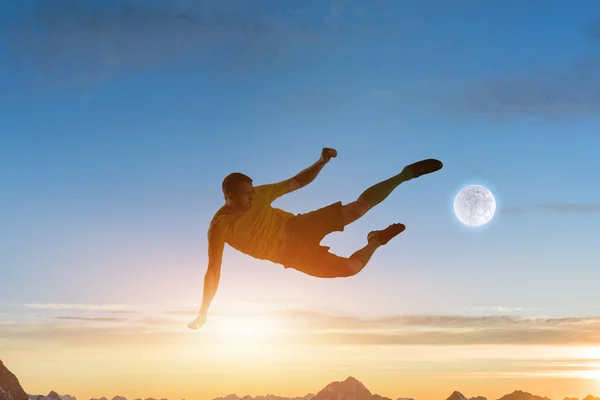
198 321
327 154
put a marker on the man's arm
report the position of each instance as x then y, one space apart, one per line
213 272
211 284
308 175
212 276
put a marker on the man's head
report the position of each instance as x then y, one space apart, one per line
238 191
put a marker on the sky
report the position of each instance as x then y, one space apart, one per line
119 121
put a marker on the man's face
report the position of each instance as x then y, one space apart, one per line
243 198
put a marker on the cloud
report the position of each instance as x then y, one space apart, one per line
571 208
85 42
311 327
183 312
322 320
275 300
330 329
102 319
161 321
593 30
107 308
556 208
551 92
336 7
499 309
556 91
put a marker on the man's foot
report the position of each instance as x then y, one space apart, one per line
423 167
385 235
197 322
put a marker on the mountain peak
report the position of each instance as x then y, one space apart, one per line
10 388
457 396
353 381
521 395
590 397
350 389
53 395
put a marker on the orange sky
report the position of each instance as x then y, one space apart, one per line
107 350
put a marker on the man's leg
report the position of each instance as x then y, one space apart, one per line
380 191
324 264
375 239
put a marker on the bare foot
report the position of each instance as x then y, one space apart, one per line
385 235
423 167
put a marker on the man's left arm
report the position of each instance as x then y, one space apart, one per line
309 174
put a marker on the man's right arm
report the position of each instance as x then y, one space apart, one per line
213 272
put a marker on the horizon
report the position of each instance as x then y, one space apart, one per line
120 120
349 383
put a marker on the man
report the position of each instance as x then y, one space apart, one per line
248 223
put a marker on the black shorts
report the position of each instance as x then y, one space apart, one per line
304 233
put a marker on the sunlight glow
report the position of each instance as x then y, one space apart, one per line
591 374
250 328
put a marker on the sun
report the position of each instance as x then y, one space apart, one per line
593 374
247 338
240 328
249 327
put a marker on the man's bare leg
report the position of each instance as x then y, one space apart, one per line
380 191
375 239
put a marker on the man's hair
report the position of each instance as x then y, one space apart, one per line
233 180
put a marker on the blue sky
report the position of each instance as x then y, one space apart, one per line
118 125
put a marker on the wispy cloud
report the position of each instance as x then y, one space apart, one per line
332 329
593 30
101 319
552 92
571 208
497 310
161 321
84 42
556 208
445 330
110 308
275 300
336 7
556 91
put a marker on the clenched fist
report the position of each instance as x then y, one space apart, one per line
327 154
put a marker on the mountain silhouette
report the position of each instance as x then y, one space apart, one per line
349 389
267 397
520 395
10 388
588 397
459 396
50 396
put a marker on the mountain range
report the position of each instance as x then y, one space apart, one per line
349 389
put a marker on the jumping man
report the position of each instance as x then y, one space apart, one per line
248 223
